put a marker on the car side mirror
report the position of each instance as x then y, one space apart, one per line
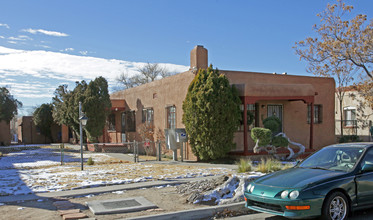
297 163
367 168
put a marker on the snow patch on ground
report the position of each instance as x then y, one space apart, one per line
39 170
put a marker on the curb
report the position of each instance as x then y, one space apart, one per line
200 213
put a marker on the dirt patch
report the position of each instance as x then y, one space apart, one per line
167 199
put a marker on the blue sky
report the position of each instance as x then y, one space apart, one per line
47 43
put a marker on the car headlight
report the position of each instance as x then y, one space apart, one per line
249 187
284 194
294 194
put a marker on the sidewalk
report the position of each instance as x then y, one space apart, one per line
98 190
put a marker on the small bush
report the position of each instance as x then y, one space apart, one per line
279 141
166 156
244 166
272 123
264 135
269 165
90 161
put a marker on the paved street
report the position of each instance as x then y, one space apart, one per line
359 215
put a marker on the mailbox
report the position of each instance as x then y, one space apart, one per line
181 135
175 138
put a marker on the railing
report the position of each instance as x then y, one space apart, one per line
349 127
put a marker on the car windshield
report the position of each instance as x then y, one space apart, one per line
334 158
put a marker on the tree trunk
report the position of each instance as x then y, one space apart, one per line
341 116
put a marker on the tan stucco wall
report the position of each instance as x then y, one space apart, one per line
28 133
294 112
172 91
364 116
5 136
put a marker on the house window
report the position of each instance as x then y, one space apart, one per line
130 121
111 122
147 116
317 114
171 117
349 116
251 117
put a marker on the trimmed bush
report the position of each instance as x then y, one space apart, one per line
279 141
272 123
263 134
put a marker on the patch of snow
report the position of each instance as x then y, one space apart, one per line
39 170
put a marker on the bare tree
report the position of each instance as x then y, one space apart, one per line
342 48
148 73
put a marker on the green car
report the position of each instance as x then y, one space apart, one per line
330 183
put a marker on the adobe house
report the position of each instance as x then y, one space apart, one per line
5 136
294 99
28 133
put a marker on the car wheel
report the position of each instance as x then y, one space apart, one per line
336 207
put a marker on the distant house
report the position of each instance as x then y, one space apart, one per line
357 117
5 136
28 133
305 105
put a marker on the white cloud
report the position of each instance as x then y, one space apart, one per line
67 49
45 70
2 37
83 52
43 46
20 38
49 33
12 42
4 25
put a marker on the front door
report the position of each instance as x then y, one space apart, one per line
275 110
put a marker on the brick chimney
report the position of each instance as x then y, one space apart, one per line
198 59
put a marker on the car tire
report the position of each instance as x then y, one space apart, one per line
336 207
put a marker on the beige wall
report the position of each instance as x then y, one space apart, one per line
172 91
5 136
364 116
294 112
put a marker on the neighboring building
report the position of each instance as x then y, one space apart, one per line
28 133
5 136
294 99
357 119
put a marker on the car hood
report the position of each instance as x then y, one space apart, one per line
297 177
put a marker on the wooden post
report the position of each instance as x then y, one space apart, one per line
245 144
311 126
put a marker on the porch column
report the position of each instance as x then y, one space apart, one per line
311 125
245 146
